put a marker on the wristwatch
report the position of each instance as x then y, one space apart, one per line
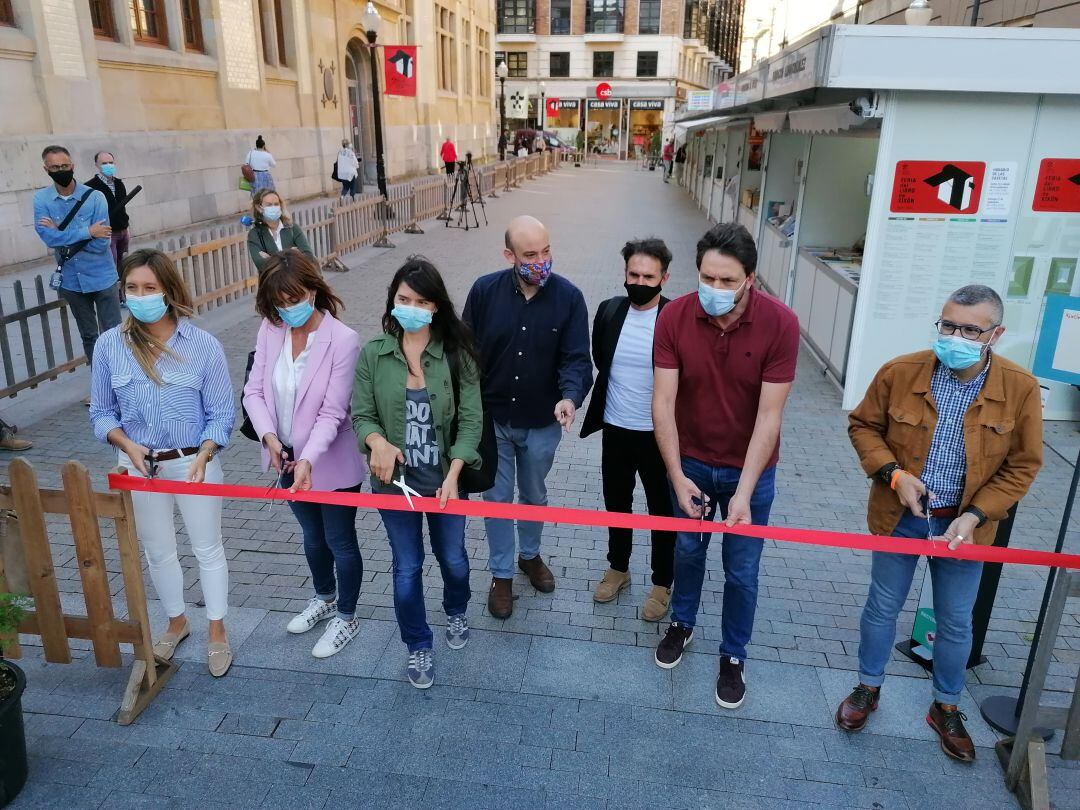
979 513
885 473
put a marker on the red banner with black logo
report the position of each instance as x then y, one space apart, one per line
400 68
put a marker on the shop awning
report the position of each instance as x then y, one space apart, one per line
831 118
709 123
770 121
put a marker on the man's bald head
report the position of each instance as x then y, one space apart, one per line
522 230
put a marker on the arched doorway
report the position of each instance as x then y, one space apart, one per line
361 115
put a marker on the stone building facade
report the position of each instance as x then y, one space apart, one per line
178 90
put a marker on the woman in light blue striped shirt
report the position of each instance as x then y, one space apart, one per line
161 395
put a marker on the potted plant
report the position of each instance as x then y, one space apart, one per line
13 765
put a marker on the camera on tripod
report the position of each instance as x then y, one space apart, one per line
464 197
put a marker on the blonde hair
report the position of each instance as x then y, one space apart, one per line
143 344
257 200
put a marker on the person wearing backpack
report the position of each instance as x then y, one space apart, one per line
73 220
417 413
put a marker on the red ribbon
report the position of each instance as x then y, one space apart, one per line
585 517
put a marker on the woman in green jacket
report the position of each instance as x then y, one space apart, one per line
419 431
274 230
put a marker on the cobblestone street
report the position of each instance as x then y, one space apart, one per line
561 705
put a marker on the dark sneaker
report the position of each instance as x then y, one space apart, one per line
421 668
730 683
670 649
854 711
948 722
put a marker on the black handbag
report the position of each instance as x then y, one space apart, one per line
474 480
333 174
246 428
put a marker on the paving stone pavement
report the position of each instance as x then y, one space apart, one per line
560 706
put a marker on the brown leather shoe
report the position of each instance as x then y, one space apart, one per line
608 588
539 574
501 598
855 710
948 722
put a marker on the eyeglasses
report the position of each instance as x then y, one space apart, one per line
968 331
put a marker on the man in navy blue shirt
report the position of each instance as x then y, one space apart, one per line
90 283
532 329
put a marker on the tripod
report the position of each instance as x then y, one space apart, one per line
464 198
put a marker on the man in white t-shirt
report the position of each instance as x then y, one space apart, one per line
621 407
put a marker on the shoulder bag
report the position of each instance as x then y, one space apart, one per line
472 479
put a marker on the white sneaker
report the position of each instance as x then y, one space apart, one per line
316 610
338 633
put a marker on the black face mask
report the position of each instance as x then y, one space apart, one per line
641 294
62 178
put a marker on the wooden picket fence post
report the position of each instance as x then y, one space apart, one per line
84 507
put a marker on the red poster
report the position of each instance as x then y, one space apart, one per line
552 108
937 186
1058 186
400 69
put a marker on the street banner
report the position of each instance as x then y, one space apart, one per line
400 69
517 104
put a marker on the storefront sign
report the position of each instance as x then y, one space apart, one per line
552 107
647 104
1058 186
937 187
605 105
603 90
569 103
791 72
699 101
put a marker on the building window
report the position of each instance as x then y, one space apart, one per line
517 62
649 17
689 14
603 63
101 17
148 21
516 16
279 25
406 22
189 11
560 63
646 63
560 17
466 56
484 66
447 58
7 14
604 16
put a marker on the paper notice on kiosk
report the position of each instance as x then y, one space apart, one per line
1067 351
997 196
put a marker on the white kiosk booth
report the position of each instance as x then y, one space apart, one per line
882 167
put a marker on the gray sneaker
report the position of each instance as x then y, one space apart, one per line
421 669
457 632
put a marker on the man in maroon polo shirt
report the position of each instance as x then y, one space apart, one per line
725 360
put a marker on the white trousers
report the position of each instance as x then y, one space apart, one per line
156 527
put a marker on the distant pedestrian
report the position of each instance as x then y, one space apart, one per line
680 160
538 143
163 397
273 231
297 398
532 329
73 220
668 156
416 410
261 162
448 153
504 139
107 182
348 169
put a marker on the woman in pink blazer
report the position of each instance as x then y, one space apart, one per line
297 397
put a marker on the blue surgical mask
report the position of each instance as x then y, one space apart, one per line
296 315
412 319
958 353
147 308
271 213
717 302
108 169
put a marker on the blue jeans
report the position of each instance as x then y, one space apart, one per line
740 555
405 530
955 583
530 452
330 542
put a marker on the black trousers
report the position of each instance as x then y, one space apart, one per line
625 455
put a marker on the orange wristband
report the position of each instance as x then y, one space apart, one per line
895 477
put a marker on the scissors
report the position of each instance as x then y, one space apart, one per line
406 490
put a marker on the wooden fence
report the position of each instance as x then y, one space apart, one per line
30 504
42 342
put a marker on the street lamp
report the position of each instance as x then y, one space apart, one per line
543 114
502 71
372 23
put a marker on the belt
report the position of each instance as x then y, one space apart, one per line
945 512
169 455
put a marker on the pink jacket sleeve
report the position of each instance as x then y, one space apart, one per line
254 393
345 349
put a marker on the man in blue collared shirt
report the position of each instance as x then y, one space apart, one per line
532 329
90 283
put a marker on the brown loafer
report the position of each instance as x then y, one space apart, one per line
948 722
608 588
539 574
501 598
165 646
218 658
856 708
656 605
